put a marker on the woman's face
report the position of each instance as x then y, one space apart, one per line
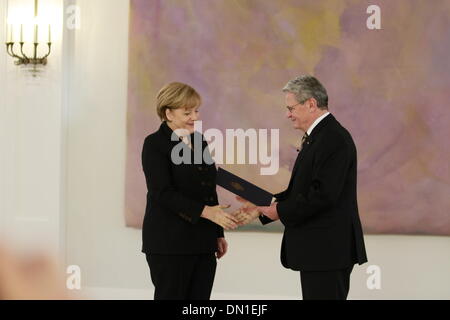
183 118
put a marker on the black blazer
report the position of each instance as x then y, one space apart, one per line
319 208
177 194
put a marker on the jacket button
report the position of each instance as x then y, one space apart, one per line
203 183
200 168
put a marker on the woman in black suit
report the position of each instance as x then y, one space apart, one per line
183 225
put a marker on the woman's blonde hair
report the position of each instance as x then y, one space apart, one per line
176 95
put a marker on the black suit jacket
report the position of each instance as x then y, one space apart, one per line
177 194
319 208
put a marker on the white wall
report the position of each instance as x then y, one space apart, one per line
31 143
109 254
96 238
3 128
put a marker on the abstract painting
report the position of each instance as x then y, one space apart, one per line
389 87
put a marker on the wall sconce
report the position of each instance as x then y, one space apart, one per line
16 49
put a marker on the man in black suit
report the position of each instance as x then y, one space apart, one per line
323 237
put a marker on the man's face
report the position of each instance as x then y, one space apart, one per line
299 113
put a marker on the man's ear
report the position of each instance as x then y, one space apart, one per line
312 105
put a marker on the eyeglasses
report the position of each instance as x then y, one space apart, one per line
290 108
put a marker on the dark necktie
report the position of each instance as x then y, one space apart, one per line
304 139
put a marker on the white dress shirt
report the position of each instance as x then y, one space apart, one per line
315 123
310 129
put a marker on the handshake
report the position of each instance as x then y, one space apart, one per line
242 216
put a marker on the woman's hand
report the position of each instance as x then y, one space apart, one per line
222 247
220 217
247 213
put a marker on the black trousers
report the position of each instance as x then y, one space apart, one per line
326 285
182 277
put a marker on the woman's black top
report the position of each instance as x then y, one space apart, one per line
177 194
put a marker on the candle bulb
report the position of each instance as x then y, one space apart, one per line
36 30
49 33
21 33
11 33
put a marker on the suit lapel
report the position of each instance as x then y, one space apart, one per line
309 142
301 154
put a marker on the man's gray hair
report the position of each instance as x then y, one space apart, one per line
306 87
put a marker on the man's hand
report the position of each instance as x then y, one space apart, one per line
247 213
270 212
222 247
